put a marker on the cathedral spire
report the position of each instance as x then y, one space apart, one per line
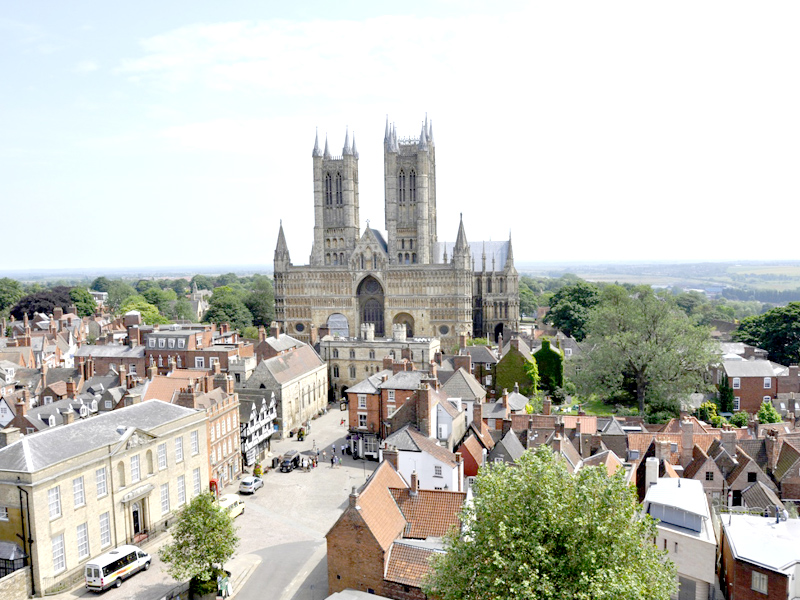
395 147
483 258
510 255
282 259
461 239
430 133
386 135
355 150
346 150
316 152
423 136
327 153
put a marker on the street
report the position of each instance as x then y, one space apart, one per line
282 529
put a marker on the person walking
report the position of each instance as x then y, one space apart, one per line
324 455
343 449
333 449
333 461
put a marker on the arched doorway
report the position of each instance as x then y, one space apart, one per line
407 320
338 325
370 303
498 330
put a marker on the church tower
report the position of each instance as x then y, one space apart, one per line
409 167
336 223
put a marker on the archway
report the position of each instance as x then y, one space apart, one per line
407 320
498 330
338 325
370 303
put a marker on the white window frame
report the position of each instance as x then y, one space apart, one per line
105 530
164 498
736 384
391 396
179 449
197 483
102 482
136 473
162 343
437 471
759 582
737 403
82 535
54 502
362 401
181 343
767 383
162 456
199 362
78 492
362 420
195 442
59 558
767 399
181 490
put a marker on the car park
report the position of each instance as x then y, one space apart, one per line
290 461
249 484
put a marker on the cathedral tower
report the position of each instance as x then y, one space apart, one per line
409 167
336 223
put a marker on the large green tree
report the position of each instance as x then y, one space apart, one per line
767 413
537 532
226 306
10 293
641 346
202 538
777 331
43 301
551 369
570 308
149 312
83 301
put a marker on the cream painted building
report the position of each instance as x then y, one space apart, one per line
409 278
89 486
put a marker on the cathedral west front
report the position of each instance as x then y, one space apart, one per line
403 278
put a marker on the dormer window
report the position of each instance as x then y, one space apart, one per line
51 421
171 342
181 343
151 343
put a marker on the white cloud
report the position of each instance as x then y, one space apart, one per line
86 66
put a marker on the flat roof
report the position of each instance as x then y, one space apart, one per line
685 494
762 541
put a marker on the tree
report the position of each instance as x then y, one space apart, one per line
725 393
203 282
767 413
149 312
43 301
83 301
535 531
643 347
777 331
706 411
740 419
570 308
551 368
118 293
182 310
225 306
261 305
203 538
10 293
101 284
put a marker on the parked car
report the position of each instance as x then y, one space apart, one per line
249 484
290 461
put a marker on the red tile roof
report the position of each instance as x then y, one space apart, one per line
378 508
408 565
430 513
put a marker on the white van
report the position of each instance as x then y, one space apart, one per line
112 567
231 503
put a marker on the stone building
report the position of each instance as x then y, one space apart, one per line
84 488
408 277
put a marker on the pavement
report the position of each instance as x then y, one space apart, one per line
282 549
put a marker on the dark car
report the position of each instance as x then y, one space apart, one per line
290 461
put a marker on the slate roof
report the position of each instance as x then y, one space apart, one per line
481 355
748 368
464 385
509 448
523 348
699 459
379 238
370 384
38 451
516 401
410 440
789 455
283 342
284 367
110 350
606 459
408 563
758 495
404 380
757 450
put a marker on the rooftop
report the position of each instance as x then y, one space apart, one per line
762 541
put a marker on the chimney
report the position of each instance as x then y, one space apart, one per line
514 343
71 388
68 416
9 435
274 330
414 483
390 455
262 334
216 368
506 427
650 472
560 427
505 399
89 368
122 375
22 405
438 357
729 442
354 498
187 397
426 422
462 361
546 404
152 371
462 341
387 362
578 427
460 467
663 450
687 442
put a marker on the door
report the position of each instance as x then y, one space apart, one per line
687 589
137 520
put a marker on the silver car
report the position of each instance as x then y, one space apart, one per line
250 484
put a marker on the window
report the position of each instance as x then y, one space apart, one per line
709 475
352 372
196 478
178 449
3 513
162 456
362 421
77 492
132 368
105 530
767 399
151 343
171 343
182 343
372 354
181 490
567 351
336 370
199 362
767 383
736 403
362 401
195 443
737 383
135 469
335 353
48 399
54 501
759 582
213 437
352 353
437 471
107 404
164 498
83 541
752 477
59 563
391 395
162 342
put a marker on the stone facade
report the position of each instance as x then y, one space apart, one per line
434 289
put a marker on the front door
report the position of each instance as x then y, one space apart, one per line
137 520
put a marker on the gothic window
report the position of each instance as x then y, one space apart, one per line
327 259
407 258
412 185
400 258
362 262
488 286
341 258
328 190
374 261
401 187
338 189
335 259
402 244
414 257
336 370
410 244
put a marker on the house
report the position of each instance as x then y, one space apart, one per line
684 530
86 487
760 557
257 415
435 467
752 381
510 368
507 450
383 541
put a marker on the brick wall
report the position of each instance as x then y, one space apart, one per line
752 392
399 591
355 559
736 578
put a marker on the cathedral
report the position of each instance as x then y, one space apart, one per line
357 281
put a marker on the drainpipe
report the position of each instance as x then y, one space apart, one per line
29 540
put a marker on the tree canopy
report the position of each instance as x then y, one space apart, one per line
641 347
551 369
83 301
10 293
570 308
536 531
149 312
226 306
43 301
767 413
777 331
202 537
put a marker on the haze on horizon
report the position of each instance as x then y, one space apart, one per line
149 134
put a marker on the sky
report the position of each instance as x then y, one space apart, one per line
180 133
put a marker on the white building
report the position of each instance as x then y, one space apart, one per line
684 530
436 467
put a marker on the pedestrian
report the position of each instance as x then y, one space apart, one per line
333 460
343 448
333 449
324 455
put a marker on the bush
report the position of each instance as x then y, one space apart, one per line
740 419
